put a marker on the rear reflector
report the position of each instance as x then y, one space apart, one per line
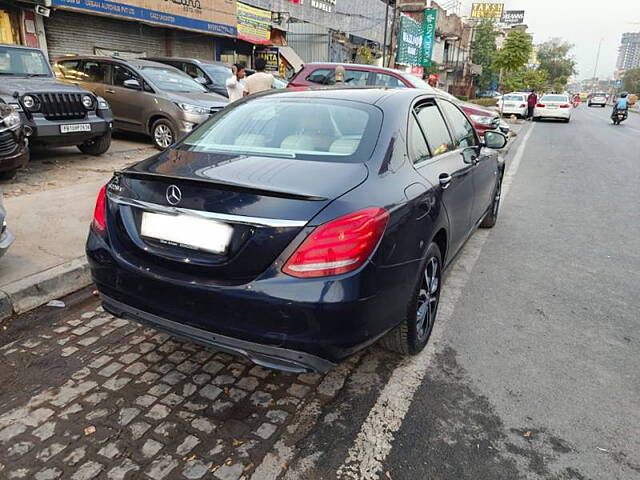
340 246
99 223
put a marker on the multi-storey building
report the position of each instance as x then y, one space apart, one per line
629 51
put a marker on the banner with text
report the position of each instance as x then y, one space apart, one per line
428 35
212 16
513 17
409 41
487 10
254 24
271 56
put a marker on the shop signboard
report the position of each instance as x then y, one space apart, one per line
271 55
409 41
513 17
254 24
428 35
212 16
487 10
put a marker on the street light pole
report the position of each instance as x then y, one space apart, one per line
595 69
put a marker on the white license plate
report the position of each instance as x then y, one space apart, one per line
76 127
551 107
509 104
187 231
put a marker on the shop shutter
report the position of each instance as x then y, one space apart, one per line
75 33
193 45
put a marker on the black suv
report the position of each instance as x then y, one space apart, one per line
53 113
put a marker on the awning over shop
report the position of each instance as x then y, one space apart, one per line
291 57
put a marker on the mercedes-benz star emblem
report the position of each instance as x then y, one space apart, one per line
174 195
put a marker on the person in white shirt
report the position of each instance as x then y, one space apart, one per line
235 85
259 81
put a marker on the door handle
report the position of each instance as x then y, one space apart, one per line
109 91
445 180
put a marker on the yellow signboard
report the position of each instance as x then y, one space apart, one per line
254 24
487 10
213 16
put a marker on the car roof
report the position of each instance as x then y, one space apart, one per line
133 62
370 95
356 65
188 59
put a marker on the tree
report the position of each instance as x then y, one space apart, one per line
631 80
484 51
515 52
364 55
554 57
536 79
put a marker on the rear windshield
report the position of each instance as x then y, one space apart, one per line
555 98
172 81
513 98
340 131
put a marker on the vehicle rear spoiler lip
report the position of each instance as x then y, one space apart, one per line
223 185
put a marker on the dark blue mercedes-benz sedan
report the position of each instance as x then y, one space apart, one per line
296 228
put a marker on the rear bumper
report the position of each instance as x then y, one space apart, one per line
559 113
264 355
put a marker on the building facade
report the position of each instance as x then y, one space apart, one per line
629 51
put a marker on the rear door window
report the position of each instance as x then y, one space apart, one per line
356 78
434 128
386 80
71 69
418 149
95 72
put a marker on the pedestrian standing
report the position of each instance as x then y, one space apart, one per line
532 100
235 83
259 81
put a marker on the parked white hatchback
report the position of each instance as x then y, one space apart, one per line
514 104
553 106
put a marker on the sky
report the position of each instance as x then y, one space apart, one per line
581 22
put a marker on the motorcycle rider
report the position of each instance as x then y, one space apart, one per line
622 103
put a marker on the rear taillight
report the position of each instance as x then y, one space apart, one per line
99 223
522 106
565 106
540 105
339 246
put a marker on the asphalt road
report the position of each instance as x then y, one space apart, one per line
532 371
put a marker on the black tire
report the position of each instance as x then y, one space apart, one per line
163 133
491 217
8 174
411 336
96 146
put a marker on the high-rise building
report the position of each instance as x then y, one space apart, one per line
629 51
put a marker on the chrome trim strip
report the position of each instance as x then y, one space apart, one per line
223 217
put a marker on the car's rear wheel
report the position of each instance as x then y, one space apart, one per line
163 133
96 146
491 217
411 336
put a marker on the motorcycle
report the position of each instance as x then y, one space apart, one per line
618 116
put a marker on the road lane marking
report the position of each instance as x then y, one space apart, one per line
373 443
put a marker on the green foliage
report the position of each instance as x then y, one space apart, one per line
462 98
484 51
485 102
525 80
554 57
631 80
364 55
515 52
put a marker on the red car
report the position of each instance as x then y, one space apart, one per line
318 74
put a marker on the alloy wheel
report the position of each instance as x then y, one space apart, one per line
428 297
163 136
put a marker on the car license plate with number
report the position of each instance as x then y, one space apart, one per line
187 231
552 107
76 127
511 105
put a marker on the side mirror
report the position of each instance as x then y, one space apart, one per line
132 83
201 80
495 140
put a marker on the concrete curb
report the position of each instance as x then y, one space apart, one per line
36 290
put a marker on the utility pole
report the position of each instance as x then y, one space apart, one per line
384 42
595 69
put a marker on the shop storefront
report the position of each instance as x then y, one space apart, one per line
136 28
19 24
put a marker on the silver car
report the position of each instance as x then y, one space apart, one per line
145 97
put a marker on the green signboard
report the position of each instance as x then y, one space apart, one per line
409 41
428 35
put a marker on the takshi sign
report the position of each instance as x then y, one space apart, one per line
487 10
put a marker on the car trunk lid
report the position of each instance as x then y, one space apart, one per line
221 218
